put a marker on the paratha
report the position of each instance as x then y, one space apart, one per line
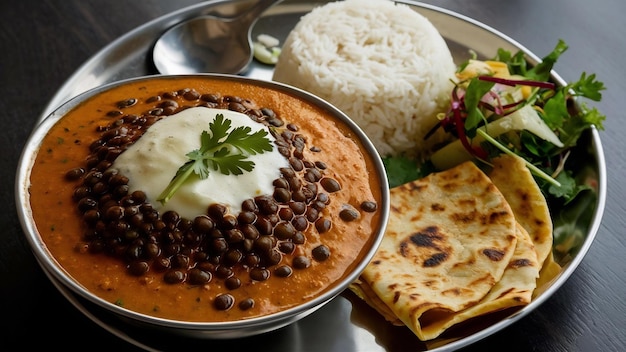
528 203
515 288
549 270
449 240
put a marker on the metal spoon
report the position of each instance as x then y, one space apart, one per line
209 44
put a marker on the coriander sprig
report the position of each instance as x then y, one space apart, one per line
220 150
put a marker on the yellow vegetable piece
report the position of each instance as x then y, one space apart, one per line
499 69
474 68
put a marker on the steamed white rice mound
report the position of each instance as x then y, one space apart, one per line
384 65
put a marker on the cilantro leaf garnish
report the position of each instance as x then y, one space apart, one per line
401 169
541 72
571 124
519 66
220 150
475 92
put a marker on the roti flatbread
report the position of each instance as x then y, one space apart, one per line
515 288
518 186
549 271
449 240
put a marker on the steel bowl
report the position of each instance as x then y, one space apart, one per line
69 287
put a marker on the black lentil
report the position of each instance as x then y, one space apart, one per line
298 238
126 103
246 304
283 271
259 274
320 165
286 247
75 173
330 185
224 301
198 276
223 272
321 253
301 262
322 225
174 276
348 213
285 213
138 268
369 206
232 283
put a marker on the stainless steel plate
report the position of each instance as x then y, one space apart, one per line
345 324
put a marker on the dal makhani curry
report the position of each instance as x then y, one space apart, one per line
302 225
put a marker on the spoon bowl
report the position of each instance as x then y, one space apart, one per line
209 44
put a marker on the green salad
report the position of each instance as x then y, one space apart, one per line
504 105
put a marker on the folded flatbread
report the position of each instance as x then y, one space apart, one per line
450 238
515 288
529 205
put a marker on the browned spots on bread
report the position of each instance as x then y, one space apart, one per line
437 207
415 186
495 255
427 246
429 283
519 263
435 260
457 292
496 216
464 218
427 237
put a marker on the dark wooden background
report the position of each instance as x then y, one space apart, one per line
42 42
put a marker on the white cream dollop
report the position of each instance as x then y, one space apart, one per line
152 161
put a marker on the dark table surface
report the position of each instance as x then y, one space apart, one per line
43 42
